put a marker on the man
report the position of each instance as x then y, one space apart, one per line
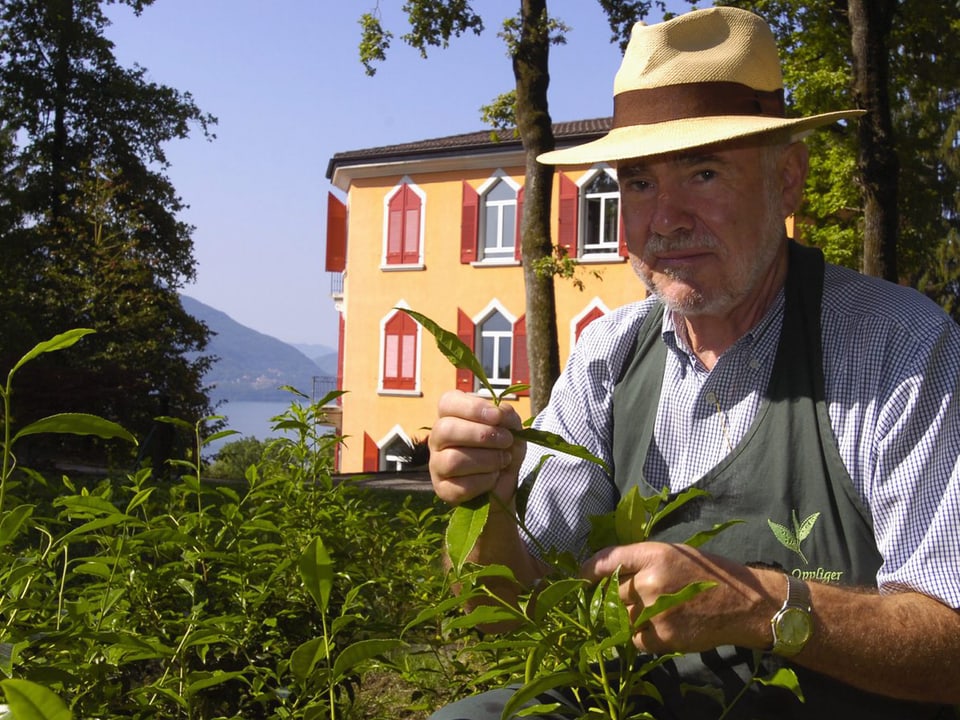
819 406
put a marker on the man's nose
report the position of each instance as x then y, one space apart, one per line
672 213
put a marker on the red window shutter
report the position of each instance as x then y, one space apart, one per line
411 226
395 229
400 353
469 224
594 313
403 227
466 333
520 366
569 210
336 234
371 454
518 241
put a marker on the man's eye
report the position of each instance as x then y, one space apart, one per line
706 175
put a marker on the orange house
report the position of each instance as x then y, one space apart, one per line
433 226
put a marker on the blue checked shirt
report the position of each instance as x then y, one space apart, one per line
892 382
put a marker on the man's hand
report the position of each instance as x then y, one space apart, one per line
736 611
903 645
472 450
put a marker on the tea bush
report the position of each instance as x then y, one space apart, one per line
272 597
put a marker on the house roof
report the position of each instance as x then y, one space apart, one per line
474 143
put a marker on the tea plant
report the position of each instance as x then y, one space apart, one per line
143 597
567 633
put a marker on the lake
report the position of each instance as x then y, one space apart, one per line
250 418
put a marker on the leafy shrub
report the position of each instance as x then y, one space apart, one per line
273 596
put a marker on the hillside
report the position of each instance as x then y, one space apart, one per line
252 365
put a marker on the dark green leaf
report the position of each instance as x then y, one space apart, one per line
453 348
316 572
360 652
58 342
76 424
29 701
556 442
466 524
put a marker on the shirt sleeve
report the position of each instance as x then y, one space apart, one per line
565 491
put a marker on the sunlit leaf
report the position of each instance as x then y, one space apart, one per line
466 524
532 690
316 572
670 600
452 347
700 538
784 678
30 701
556 442
77 424
57 342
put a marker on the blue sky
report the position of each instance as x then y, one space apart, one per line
284 79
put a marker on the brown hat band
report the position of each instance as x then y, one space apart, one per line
646 106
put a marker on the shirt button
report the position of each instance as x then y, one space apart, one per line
711 398
754 364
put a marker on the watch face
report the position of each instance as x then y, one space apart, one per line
794 627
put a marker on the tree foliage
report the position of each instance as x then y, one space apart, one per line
528 35
923 52
90 233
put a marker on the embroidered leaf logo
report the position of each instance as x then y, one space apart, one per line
791 539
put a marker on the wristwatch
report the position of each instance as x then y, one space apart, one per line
793 623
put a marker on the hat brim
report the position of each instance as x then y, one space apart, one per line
638 141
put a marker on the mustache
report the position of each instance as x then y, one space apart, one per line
657 244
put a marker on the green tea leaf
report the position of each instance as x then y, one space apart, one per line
670 600
316 572
57 342
630 518
466 524
784 678
453 348
361 651
212 679
305 658
555 442
532 690
679 501
77 424
12 523
29 701
700 538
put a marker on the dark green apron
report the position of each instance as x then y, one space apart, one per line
785 470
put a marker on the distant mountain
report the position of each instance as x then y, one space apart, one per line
321 355
252 365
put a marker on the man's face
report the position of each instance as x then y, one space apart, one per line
705 227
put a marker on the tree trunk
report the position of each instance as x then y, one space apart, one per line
530 69
870 23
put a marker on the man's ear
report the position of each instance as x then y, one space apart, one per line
793 167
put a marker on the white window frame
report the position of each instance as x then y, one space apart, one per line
600 252
478 320
419 265
505 254
381 390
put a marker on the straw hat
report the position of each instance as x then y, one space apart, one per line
701 78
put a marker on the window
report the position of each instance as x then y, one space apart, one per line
500 344
489 224
495 336
596 309
400 343
396 454
601 215
498 221
404 210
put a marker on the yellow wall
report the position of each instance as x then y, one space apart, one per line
436 291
